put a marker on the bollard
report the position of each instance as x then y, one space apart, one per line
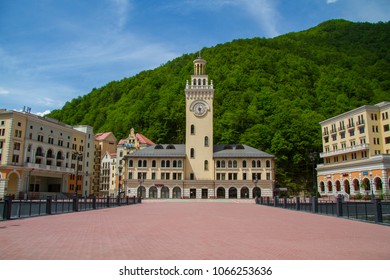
7 207
378 211
75 203
48 205
339 206
94 202
314 204
285 202
108 201
276 201
298 204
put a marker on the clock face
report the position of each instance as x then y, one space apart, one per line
199 108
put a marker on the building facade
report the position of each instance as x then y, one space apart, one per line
356 152
198 168
38 156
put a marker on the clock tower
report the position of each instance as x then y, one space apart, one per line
199 124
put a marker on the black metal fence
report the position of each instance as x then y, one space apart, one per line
16 209
376 210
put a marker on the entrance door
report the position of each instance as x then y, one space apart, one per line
192 193
205 193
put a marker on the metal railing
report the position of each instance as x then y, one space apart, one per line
17 209
376 210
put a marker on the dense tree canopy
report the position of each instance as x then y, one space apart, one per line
269 93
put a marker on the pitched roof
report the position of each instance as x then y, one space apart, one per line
143 139
220 151
102 136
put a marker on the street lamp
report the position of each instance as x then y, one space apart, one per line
372 188
120 178
78 157
140 181
313 158
255 180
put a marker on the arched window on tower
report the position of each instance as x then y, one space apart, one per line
206 141
192 129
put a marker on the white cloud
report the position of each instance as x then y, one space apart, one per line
4 91
43 113
331 1
122 10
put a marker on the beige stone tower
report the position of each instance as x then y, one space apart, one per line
199 124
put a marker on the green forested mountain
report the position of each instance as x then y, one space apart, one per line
269 93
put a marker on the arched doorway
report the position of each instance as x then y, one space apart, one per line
366 184
141 192
13 181
153 192
256 192
378 184
338 186
221 192
232 192
244 192
176 192
164 192
322 186
356 186
347 188
330 187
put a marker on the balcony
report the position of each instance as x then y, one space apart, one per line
44 167
352 149
360 123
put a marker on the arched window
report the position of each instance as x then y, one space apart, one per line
218 164
230 164
174 164
258 163
253 164
204 82
268 163
139 163
206 141
244 164
192 129
163 163
223 165
154 163
199 81
192 153
234 164
131 163
167 163
144 163
206 165
194 82
179 164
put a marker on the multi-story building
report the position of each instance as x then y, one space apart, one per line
107 175
356 152
198 168
39 155
104 142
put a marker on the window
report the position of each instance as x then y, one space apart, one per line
386 127
268 164
192 129
130 176
230 164
206 165
268 176
154 163
244 176
167 163
192 155
179 164
131 163
162 164
234 164
206 141
223 164
244 164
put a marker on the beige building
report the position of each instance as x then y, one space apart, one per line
199 169
38 156
356 152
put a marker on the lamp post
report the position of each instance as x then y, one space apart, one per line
372 188
255 180
119 178
78 157
313 158
140 182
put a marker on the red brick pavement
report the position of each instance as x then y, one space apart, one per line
198 230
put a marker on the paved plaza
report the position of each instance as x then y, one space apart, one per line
192 230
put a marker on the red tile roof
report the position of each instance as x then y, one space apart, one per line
143 139
102 136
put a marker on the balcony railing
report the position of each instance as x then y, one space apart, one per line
345 150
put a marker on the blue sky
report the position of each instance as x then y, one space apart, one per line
52 51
